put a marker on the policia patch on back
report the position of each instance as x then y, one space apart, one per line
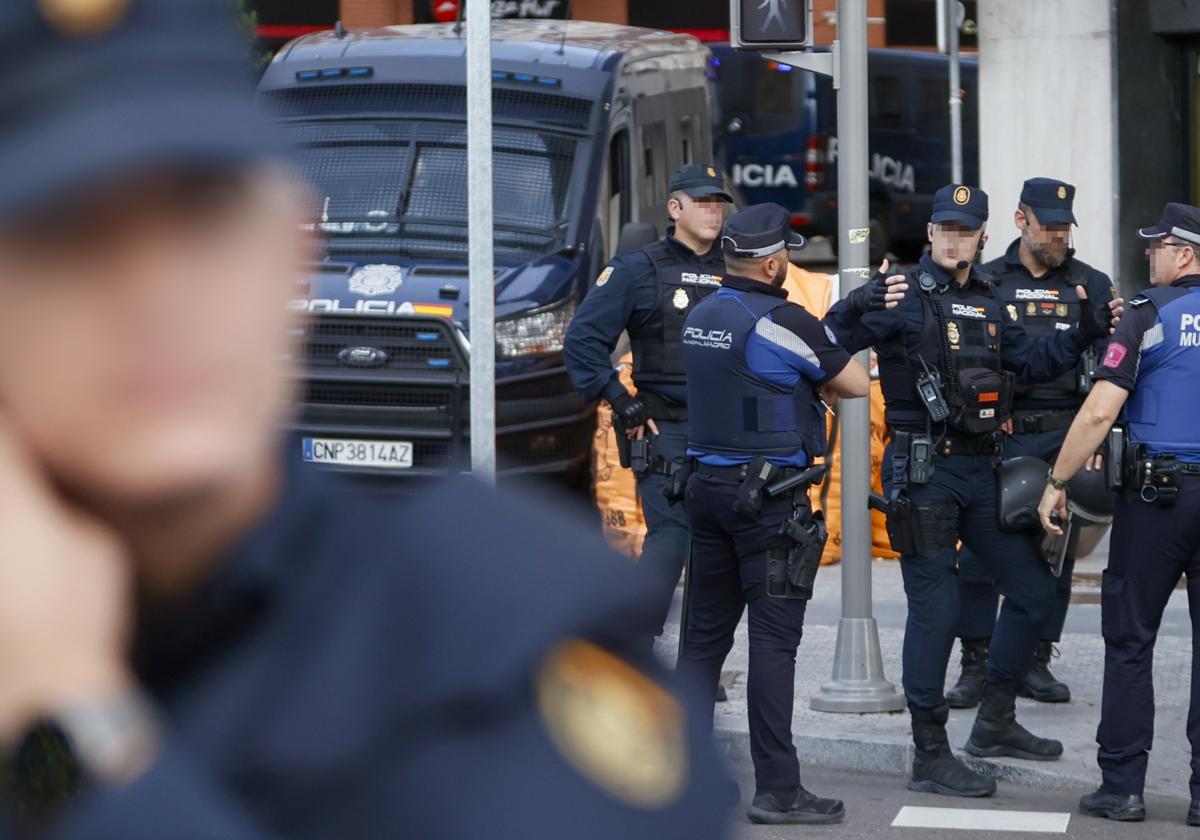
615 726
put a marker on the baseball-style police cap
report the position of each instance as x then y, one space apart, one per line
700 180
958 203
1050 200
759 231
1179 220
92 90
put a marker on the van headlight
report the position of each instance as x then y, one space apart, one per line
536 332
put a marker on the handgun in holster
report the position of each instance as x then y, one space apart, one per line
675 488
623 441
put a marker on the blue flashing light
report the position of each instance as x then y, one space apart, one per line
438 363
549 82
359 71
784 68
307 75
332 73
428 336
523 77
500 75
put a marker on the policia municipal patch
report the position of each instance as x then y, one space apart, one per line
618 728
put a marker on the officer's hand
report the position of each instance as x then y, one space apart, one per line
1096 323
879 293
1007 426
64 600
1054 501
631 414
640 432
1096 462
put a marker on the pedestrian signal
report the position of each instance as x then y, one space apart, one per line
770 24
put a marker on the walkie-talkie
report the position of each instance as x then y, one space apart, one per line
929 389
920 460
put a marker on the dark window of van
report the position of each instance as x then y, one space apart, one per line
886 104
654 164
933 103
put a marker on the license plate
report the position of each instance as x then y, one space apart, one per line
382 454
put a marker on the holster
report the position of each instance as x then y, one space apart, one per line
641 455
623 441
925 528
1157 478
677 479
792 566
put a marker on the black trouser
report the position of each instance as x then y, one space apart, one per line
978 596
1151 548
931 581
665 547
728 558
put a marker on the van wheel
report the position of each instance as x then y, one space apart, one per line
881 234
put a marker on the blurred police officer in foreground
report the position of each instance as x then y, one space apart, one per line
947 358
194 638
1149 377
649 293
755 364
1037 281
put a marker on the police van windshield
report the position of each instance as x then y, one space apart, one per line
400 187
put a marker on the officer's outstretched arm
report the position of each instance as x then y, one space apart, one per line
852 381
856 331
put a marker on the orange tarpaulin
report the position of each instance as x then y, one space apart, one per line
616 491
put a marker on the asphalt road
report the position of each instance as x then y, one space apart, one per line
874 802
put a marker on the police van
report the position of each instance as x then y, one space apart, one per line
777 138
589 121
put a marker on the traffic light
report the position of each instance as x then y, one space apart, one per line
770 24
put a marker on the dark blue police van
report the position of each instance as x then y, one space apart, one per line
777 138
589 121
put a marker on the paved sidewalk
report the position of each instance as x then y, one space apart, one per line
880 743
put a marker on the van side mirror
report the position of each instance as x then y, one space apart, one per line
635 236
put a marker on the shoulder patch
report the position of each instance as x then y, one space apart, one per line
604 275
615 726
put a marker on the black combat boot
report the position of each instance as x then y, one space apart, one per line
1115 806
997 733
1039 684
966 694
935 769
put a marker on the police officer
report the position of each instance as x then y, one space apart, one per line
947 359
1036 280
1148 377
199 638
755 366
649 293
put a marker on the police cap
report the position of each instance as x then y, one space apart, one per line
1051 200
94 89
959 203
759 231
1179 220
700 180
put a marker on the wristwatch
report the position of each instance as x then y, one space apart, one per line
108 743
1056 483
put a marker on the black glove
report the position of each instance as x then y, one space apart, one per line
1095 320
870 296
629 411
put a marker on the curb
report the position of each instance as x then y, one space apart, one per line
894 759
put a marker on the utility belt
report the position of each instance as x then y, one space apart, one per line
795 558
1156 478
1033 421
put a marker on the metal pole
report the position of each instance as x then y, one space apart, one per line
858 683
956 14
482 303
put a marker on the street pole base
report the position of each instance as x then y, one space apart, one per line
858 685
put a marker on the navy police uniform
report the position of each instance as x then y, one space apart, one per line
462 666
753 363
961 334
1155 355
1042 413
649 293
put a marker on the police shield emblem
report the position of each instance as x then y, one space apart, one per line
1062 193
371 280
1031 309
1012 312
962 196
952 333
680 300
1061 310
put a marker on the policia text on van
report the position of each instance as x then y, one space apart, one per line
583 142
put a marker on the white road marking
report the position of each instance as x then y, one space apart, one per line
978 820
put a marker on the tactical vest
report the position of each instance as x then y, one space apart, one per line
681 285
957 332
1043 306
731 410
1161 411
